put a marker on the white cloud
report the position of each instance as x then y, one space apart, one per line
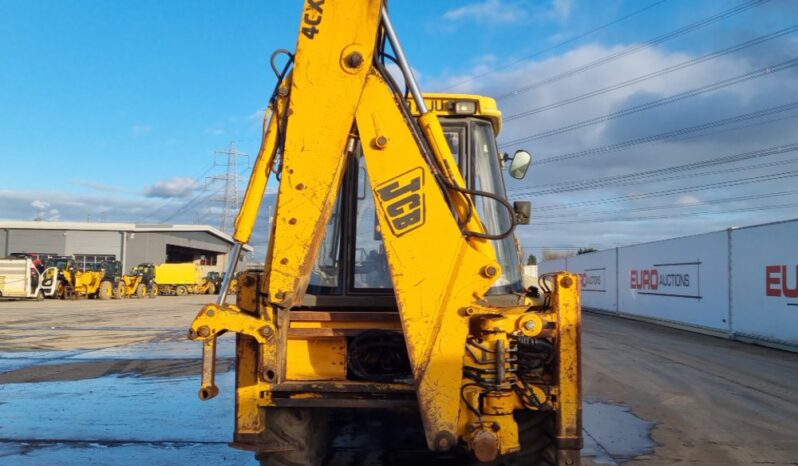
216 131
44 212
140 129
179 186
498 12
745 97
96 185
257 115
40 205
561 9
688 200
487 11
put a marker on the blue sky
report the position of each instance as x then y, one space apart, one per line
115 109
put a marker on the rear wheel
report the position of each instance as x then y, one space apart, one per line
119 291
181 290
105 291
141 291
153 291
211 288
305 428
40 295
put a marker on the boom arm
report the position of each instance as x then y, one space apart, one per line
332 93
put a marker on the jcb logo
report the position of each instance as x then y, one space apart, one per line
402 201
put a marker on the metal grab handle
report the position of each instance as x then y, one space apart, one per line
401 61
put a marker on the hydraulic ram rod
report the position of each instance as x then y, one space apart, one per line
245 223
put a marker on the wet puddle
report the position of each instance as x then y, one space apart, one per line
162 454
614 434
158 420
164 357
137 404
117 420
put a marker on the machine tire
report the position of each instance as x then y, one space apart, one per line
40 295
181 290
538 443
141 291
153 291
105 291
119 291
211 288
306 428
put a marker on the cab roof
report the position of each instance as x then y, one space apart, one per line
443 104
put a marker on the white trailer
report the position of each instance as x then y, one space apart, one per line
19 278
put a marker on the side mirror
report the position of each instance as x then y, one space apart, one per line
520 164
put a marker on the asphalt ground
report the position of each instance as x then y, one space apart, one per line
114 382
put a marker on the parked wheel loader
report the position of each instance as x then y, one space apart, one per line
139 283
75 283
214 281
391 290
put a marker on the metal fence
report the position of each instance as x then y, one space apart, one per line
741 283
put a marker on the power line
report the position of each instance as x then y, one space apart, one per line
670 192
655 74
669 134
191 202
767 70
230 201
628 51
690 175
552 247
556 46
172 199
670 216
599 182
604 213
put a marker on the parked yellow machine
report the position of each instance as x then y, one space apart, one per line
176 279
214 283
137 284
74 283
392 279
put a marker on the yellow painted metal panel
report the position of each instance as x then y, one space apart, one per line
178 274
569 322
317 359
441 104
248 214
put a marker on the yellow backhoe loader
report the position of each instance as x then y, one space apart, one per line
392 284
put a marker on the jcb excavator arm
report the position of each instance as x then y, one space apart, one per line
441 260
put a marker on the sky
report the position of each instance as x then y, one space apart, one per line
647 119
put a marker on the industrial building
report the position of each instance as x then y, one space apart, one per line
132 244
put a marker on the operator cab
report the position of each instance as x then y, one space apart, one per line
145 269
352 263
